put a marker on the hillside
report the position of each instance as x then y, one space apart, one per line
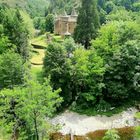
59 6
14 3
33 7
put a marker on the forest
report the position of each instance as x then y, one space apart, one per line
95 71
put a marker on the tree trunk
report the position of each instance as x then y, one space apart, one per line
36 130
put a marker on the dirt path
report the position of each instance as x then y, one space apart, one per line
82 124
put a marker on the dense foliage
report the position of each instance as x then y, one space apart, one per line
12 71
87 23
15 29
23 110
35 8
49 23
105 76
58 69
96 72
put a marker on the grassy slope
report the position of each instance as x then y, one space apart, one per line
40 41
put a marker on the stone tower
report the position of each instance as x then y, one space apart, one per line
65 24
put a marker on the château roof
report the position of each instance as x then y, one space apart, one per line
73 13
65 17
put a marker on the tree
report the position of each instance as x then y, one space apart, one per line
120 15
122 75
87 77
39 23
70 46
50 23
12 69
57 65
15 30
5 44
109 6
113 35
87 23
24 110
111 135
119 48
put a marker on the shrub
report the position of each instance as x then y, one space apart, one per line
111 134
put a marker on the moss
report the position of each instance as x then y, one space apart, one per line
56 136
80 138
97 135
125 133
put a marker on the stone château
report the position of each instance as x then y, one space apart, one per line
65 24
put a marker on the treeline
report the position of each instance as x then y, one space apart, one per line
24 103
36 8
14 47
104 7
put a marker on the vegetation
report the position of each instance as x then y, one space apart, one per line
14 28
111 135
50 23
97 72
12 70
137 129
35 8
39 101
98 77
87 23
124 134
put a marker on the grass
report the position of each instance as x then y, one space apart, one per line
57 38
37 74
40 41
38 55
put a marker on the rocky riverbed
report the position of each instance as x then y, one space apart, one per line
81 124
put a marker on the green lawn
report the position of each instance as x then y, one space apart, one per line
40 41
37 73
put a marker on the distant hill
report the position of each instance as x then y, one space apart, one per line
33 7
58 6
14 3
38 8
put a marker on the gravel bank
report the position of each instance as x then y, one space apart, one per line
82 124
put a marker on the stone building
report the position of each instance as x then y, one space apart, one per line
65 24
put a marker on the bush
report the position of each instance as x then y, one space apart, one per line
12 70
111 134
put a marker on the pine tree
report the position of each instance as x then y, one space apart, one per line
87 23
16 31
